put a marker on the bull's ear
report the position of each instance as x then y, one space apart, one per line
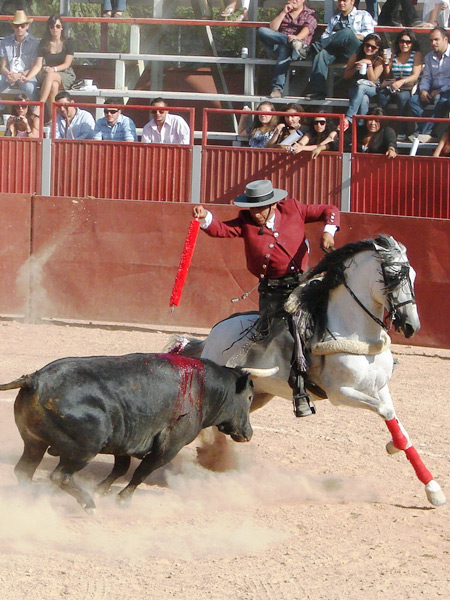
241 383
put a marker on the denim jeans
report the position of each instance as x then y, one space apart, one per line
277 47
340 46
114 5
371 7
389 9
360 95
29 87
441 106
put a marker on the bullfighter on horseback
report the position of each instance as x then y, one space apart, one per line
276 249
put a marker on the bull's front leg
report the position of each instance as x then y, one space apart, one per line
121 466
166 446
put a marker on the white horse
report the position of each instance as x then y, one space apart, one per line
347 294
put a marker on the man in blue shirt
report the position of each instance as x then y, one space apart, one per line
72 123
18 53
341 38
434 87
114 125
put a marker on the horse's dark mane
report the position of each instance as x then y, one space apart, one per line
314 297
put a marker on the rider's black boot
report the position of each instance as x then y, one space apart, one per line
303 403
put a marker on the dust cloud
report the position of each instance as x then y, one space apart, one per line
190 513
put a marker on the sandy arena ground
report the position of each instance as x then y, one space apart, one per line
313 508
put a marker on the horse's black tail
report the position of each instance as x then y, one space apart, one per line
26 381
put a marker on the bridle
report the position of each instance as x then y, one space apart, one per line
390 285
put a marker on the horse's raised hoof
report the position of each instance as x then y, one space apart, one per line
435 495
391 449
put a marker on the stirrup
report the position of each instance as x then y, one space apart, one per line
303 405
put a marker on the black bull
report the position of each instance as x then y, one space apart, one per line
144 405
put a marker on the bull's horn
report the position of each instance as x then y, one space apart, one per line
261 372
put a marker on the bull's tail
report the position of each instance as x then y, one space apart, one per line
26 381
186 346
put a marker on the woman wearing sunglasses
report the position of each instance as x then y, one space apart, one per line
54 61
321 136
22 122
365 67
401 72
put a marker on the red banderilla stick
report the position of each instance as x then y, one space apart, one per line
185 262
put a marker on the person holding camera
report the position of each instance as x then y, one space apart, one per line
401 73
22 122
287 38
341 38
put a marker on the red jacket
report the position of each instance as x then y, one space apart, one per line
280 252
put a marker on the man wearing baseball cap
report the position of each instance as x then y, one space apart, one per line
273 229
18 53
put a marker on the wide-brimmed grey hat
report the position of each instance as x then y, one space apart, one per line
259 193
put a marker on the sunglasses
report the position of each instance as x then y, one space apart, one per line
111 111
320 122
371 46
21 106
402 41
23 25
56 26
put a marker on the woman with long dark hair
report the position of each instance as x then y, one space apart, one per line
22 122
376 138
365 67
291 125
322 135
401 72
54 61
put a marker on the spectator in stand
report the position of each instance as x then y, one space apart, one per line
435 13
18 52
114 125
321 136
72 123
114 8
290 130
22 122
164 128
375 138
341 38
261 129
434 86
409 14
443 148
287 38
54 61
401 73
372 8
365 68
231 9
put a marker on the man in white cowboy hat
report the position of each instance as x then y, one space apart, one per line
18 53
276 249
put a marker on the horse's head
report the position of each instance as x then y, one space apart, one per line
398 285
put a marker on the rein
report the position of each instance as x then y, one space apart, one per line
365 309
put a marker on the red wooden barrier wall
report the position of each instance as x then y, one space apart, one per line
406 185
15 246
121 170
20 160
107 260
226 171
